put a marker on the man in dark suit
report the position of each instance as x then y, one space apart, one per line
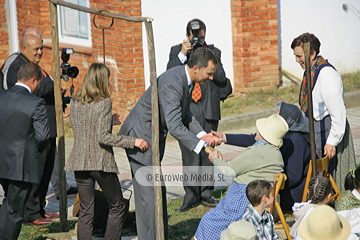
205 106
31 50
174 86
23 135
47 92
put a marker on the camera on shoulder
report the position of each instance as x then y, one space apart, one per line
196 42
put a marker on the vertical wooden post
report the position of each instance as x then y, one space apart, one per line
155 132
310 106
59 116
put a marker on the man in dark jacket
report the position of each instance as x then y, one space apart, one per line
205 106
31 50
23 136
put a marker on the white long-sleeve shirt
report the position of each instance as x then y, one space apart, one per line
328 99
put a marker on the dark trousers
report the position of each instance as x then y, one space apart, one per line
35 206
12 209
118 206
193 162
145 206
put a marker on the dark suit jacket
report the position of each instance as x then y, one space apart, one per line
23 128
175 116
210 92
45 91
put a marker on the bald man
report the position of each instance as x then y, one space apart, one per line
12 57
31 50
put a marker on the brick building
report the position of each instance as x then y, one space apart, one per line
254 35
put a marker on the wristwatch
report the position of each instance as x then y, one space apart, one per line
205 145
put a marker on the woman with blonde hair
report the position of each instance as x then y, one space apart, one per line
92 157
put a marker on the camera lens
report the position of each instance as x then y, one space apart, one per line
73 72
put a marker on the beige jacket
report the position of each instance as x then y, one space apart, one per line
93 141
256 162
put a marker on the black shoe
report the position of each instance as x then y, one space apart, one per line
185 207
211 200
70 191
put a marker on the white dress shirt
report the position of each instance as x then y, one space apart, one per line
201 143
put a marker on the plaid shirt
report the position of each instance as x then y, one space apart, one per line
264 224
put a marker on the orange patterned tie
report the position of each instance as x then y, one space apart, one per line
196 93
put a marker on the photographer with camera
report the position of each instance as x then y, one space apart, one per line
205 106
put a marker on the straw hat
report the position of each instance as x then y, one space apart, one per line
324 223
272 129
240 230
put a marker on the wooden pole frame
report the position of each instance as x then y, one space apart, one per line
310 112
155 134
59 115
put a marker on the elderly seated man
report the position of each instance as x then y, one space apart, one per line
295 152
260 161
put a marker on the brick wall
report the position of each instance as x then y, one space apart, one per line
255 44
123 44
4 37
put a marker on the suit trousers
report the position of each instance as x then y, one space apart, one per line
193 162
118 206
35 206
12 209
145 206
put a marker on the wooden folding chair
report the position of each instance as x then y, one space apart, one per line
322 165
279 183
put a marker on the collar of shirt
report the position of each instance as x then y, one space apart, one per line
188 77
260 142
259 219
23 85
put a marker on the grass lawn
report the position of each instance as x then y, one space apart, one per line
184 225
30 232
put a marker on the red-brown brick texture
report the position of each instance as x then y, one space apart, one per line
123 44
255 44
4 37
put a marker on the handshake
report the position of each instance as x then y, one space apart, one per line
213 139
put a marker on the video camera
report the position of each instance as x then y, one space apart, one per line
195 41
68 71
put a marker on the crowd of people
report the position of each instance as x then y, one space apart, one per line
190 91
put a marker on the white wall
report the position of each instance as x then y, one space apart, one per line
169 25
11 21
338 32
